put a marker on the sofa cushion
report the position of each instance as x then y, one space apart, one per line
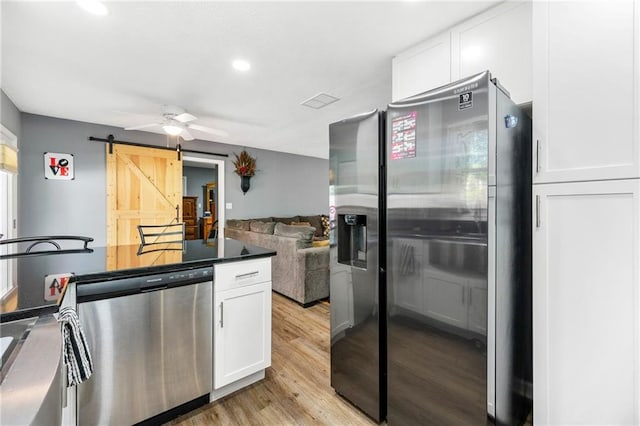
303 234
287 220
242 225
264 219
316 222
262 227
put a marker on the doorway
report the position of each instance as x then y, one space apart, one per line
204 178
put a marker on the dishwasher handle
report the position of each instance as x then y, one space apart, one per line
153 287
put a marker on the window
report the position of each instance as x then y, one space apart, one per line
8 205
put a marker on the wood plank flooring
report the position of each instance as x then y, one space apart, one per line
296 389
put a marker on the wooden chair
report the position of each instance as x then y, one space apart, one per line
213 232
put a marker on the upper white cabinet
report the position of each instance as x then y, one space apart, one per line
586 90
498 40
586 303
422 68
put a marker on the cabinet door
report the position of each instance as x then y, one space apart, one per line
477 302
445 299
422 68
586 291
341 291
491 41
586 90
242 332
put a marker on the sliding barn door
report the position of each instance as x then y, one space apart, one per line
144 187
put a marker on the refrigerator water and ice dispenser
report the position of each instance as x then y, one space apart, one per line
352 240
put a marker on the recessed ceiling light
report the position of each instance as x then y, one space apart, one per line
95 7
241 65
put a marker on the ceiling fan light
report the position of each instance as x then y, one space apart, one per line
94 7
241 65
172 130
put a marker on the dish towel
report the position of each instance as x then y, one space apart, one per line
77 358
407 260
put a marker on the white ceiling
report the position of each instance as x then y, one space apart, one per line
118 70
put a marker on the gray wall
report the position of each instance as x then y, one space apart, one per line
197 177
285 184
10 115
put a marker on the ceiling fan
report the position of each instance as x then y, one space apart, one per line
177 122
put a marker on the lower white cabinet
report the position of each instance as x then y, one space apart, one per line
242 321
586 303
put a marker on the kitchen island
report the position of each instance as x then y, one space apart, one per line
164 334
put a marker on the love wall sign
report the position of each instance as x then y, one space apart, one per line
58 166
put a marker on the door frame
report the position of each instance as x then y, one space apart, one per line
221 204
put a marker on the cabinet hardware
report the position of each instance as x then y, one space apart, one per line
247 275
537 156
537 211
221 314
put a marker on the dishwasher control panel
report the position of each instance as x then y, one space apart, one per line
125 285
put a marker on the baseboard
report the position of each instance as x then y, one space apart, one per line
235 386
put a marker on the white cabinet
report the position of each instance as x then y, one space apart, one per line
242 320
445 297
586 303
586 90
422 67
498 40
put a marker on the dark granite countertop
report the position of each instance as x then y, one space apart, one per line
104 264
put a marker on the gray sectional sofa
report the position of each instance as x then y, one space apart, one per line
299 270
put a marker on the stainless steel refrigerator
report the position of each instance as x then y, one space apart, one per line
430 257
458 244
358 357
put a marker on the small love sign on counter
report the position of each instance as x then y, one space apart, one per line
58 166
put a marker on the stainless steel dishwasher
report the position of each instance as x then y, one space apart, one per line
151 343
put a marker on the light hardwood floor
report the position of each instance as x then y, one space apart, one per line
296 389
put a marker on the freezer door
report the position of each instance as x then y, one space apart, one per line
355 320
438 148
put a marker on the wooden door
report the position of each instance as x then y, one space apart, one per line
144 187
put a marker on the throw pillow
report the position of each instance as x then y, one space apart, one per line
287 220
320 242
325 226
300 224
302 233
316 222
242 225
262 227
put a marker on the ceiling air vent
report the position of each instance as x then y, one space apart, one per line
320 100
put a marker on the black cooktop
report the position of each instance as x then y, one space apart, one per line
40 277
